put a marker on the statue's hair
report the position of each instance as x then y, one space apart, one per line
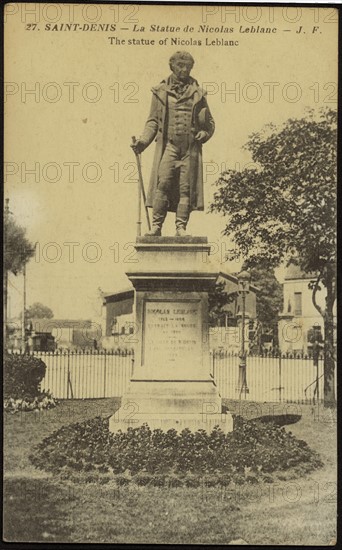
185 56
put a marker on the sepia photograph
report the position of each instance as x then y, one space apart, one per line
169 280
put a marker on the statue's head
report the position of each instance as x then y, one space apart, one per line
181 64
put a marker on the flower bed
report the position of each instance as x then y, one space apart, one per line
250 453
43 401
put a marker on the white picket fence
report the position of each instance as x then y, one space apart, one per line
83 375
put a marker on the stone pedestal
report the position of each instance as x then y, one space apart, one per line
171 386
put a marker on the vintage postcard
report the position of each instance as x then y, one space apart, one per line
170 273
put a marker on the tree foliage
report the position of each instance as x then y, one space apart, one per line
218 299
287 202
269 298
269 303
17 248
284 208
39 311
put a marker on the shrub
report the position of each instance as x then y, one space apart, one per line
22 376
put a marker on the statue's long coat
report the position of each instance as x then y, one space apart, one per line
156 127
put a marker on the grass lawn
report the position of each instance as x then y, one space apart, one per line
41 508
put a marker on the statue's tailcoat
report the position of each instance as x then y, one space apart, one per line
156 128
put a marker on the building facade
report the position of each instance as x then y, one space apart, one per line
300 322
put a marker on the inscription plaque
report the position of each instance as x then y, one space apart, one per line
172 336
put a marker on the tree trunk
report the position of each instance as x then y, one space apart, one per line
329 362
5 283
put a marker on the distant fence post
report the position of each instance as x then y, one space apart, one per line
132 365
69 380
104 373
316 358
280 388
317 379
68 371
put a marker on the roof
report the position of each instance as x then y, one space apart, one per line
234 279
47 325
123 294
293 271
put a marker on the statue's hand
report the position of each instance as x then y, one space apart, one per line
138 146
201 136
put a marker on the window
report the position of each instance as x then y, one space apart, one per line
298 303
114 327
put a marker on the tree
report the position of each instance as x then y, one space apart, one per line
39 311
269 300
217 300
284 209
17 251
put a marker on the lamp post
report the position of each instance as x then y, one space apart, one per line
23 316
7 212
243 289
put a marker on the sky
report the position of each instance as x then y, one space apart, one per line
70 174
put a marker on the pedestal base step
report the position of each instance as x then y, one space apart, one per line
169 421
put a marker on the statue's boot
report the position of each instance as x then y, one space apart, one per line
182 218
159 215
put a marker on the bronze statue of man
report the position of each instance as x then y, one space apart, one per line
181 121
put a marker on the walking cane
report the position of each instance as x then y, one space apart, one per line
141 192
